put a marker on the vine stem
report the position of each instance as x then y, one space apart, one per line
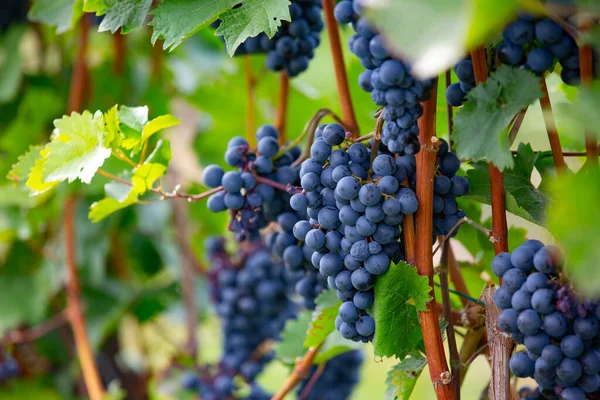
476 354
89 369
447 310
272 183
461 221
309 130
36 332
500 349
282 105
501 346
364 137
432 337
119 154
557 153
119 53
499 223
250 102
156 61
376 139
312 381
91 377
514 130
299 373
586 72
340 69
408 229
166 195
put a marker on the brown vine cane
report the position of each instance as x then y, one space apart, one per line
500 350
79 85
432 336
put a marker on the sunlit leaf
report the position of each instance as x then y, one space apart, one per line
401 379
157 124
251 19
176 20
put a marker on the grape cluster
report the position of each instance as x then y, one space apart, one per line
537 44
252 203
296 257
355 208
338 379
9 368
294 44
456 92
388 81
251 300
559 330
447 187
529 42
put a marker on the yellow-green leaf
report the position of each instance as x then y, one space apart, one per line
157 124
78 148
403 376
145 175
323 322
103 208
114 134
21 169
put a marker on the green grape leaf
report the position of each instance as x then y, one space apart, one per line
20 171
96 6
125 14
480 125
157 124
77 149
134 117
251 19
60 13
291 345
11 73
103 208
574 220
137 129
323 321
145 175
459 26
522 198
399 295
161 153
401 379
176 20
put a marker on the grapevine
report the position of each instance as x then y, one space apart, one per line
362 215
